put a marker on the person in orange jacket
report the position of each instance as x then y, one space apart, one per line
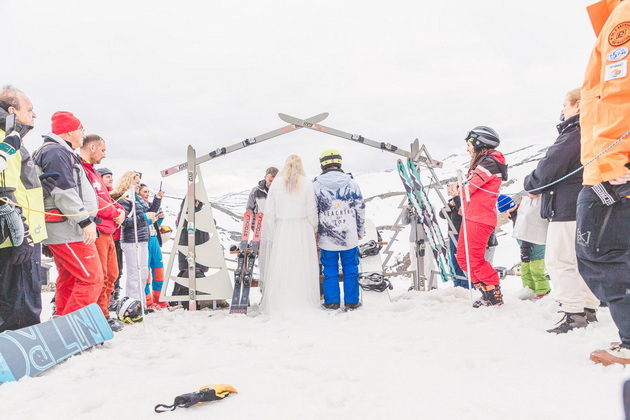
603 211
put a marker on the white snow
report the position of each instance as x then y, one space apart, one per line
424 355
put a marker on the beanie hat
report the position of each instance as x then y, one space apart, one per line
104 171
330 157
505 203
64 122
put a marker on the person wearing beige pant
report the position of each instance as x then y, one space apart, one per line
559 179
571 289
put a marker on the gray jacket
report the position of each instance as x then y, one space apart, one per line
73 196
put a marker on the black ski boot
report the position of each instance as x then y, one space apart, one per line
494 295
484 297
590 315
114 300
115 324
570 321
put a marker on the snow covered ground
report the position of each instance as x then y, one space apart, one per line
424 355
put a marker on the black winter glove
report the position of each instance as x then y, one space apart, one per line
610 194
11 225
47 252
48 184
13 141
23 253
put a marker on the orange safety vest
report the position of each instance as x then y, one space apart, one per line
605 103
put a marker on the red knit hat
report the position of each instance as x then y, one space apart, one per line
64 122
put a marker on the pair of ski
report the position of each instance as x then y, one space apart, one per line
245 262
417 194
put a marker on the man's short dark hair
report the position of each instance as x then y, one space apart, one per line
271 171
91 138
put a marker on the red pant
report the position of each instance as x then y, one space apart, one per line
109 262
80 278
480 269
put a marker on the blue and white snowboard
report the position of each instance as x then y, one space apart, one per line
32 350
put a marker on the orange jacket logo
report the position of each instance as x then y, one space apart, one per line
620 34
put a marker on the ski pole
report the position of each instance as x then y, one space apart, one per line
464 189
132 195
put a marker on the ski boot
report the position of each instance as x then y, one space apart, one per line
115 324
114 300
483 301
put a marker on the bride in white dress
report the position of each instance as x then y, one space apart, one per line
289 265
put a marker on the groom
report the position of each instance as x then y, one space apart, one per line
341 220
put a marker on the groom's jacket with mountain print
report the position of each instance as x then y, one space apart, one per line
341 210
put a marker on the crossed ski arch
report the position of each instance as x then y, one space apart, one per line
418 156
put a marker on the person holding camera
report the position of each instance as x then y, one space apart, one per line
70 216
22 229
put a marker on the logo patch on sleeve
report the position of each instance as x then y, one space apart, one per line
620 34
617 54
616 70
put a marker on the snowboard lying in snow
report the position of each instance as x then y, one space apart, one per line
374 285
32 350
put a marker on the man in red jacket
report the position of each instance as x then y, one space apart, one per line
110 215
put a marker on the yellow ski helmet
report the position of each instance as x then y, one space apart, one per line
330 157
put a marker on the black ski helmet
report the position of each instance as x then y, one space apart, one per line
483 137
129 310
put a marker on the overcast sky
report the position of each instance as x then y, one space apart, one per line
152 76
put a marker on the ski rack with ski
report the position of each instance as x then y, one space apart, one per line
222 151
426 160
420 156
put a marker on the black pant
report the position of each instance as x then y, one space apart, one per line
119 257
20 291
603 253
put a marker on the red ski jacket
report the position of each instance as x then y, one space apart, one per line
484 180
106 212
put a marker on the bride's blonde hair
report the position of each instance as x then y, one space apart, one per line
291 172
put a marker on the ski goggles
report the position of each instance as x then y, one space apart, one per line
471 136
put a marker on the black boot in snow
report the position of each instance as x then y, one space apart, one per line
494 295
570 321
590 315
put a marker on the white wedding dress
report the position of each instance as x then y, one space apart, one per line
288 261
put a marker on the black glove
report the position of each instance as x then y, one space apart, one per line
526 252
23 253
13 141
610 194
11 225
205 394
47 252
48 184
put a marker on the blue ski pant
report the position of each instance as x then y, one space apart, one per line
603 255
155 261
350 267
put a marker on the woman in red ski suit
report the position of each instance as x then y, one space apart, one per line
487 171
